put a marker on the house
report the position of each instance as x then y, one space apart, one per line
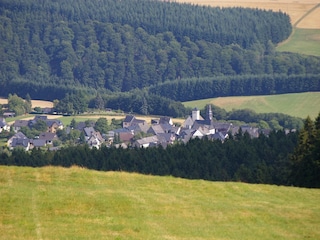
162 128
155 129
54 125
81 125
93 138
130 120
20 142
218 136
47 110
8 114
166 138
166 120
18 124
140 127
196 120
146 142
252 131
37 143
18 135
125 136
48 137
3 125
224 127
94 141
88 131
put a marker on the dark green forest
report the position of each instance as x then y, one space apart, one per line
280 158
50 48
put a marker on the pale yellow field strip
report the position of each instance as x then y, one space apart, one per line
295 9
35 103
312 21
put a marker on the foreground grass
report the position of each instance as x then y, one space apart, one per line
303 41
294 104
58 203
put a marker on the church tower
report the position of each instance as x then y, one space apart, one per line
195 114
209 114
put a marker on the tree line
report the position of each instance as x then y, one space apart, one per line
243 85
280 158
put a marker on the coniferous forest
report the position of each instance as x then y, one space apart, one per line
50 48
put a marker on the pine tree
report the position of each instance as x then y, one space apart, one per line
306 160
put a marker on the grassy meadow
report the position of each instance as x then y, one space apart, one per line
303 41
75 203
294 104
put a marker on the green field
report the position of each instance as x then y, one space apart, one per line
294 104
304 41
75 203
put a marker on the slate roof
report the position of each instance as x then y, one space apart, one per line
50 122
20 142
88 131
125 136
148 140
47 136
21 123
155 129
165 120
3 122
19 135
131 120
217 136
38 142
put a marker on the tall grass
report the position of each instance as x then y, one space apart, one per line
58 203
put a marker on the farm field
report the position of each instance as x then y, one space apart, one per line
294 104
35 103
75 203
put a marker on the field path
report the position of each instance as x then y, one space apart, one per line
306 14
35 210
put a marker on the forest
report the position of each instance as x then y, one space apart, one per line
280 158
51 48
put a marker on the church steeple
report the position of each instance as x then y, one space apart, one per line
209 114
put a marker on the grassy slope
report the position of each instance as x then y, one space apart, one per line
57 203
294 104
304 41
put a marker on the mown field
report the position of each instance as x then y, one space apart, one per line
294 104
75 203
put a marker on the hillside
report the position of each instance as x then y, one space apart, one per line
50 48
74 203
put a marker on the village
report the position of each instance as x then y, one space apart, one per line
133 133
